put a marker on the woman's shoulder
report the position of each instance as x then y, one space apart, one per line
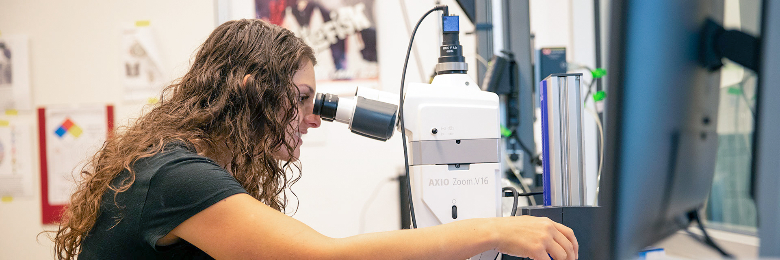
177 160
174 152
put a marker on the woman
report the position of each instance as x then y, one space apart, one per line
202 174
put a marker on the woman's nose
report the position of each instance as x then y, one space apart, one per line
312 121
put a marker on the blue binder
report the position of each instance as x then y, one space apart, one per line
545 144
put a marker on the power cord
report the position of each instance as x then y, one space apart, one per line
526 194
514 194
445 11
534 159
706 239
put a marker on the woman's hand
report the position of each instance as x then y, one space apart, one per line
536 238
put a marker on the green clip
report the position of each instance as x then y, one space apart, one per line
735 91
505 132
599 95
598 73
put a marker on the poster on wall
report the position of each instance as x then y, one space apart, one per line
142 74
69 136
16 176
14 74
342 33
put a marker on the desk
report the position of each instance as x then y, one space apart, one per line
682 246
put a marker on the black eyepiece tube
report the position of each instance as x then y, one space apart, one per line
374 119
325 106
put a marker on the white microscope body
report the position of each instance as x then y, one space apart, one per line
453 131
454 141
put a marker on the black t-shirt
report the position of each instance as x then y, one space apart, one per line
169 188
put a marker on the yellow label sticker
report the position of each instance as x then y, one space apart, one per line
152 100
76 131
142 23
7 199
11 112
4 123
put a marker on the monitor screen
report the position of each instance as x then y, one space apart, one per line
660 121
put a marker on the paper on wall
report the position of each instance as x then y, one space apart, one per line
142 74
14 73
73 135
16 175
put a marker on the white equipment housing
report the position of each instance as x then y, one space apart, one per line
454 145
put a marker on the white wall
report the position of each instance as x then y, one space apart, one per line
74 52
75 58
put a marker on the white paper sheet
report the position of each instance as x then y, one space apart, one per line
73 135
14 73
16 175
142 76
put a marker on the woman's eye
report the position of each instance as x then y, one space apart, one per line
303 98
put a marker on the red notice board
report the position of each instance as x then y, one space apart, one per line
67 135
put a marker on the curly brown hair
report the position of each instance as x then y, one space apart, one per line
213 107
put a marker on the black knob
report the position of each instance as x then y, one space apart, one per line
454 212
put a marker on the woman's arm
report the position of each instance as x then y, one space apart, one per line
241 227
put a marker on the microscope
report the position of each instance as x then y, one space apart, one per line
453 131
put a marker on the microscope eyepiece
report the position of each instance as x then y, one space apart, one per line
325 106
365 116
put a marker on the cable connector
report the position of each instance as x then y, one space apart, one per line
444 9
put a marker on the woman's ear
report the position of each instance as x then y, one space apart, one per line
243 83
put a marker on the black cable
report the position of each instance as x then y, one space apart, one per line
515 177
694 215
401 108
534 159
514 193
526 194
590 88
512 106
524 148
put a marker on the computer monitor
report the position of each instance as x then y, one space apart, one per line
767 140
660 122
